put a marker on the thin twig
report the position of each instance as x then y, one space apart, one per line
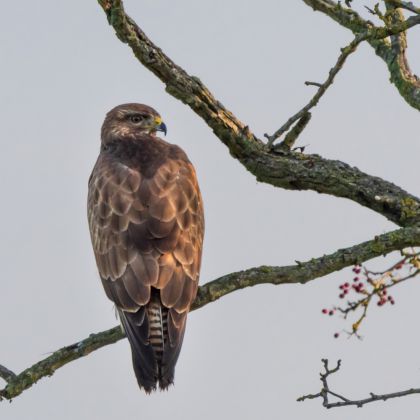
345 52
294 133
326 392
407 83
377 284
307 83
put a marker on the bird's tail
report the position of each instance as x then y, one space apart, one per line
158 329
153 356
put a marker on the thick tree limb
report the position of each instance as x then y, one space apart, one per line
405 81
214 290
310 270
326 392
293 171
399 47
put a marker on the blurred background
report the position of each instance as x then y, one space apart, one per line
252 353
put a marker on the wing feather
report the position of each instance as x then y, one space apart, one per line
147 233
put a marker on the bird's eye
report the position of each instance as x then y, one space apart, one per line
136 118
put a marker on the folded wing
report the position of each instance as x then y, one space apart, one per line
147 234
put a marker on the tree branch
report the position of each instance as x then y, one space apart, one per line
407 5
214 290
291 137
6 374
345 52
325 392
407 83
294 171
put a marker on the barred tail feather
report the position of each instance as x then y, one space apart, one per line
155 334
136 327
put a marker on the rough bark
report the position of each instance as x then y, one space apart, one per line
294 171
407 83
299 273
281 168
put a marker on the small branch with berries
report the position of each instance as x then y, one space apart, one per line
301 272
371 286
325 394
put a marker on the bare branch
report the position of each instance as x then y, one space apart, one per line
345 52
370 32
326 392
16 384
405 81
214 290
307 83
294 171
407 5
307 271
6 374
291 137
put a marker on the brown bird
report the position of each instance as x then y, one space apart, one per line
146 223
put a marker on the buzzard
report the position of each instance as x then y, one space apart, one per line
146 223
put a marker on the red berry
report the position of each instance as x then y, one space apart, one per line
325 311
356 279
336 335
341 287
341 295
331 313
346 285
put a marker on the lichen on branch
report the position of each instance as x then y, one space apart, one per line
286 170
302 272
407 83
295 171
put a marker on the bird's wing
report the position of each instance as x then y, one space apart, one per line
147 231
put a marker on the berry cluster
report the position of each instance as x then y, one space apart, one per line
368 286
329 312
384 298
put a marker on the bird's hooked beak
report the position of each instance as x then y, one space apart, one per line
160 125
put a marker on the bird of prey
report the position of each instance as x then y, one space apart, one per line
146 223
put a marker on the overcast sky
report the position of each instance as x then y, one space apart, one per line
252 353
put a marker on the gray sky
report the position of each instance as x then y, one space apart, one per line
251 354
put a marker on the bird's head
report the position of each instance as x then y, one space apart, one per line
130 120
